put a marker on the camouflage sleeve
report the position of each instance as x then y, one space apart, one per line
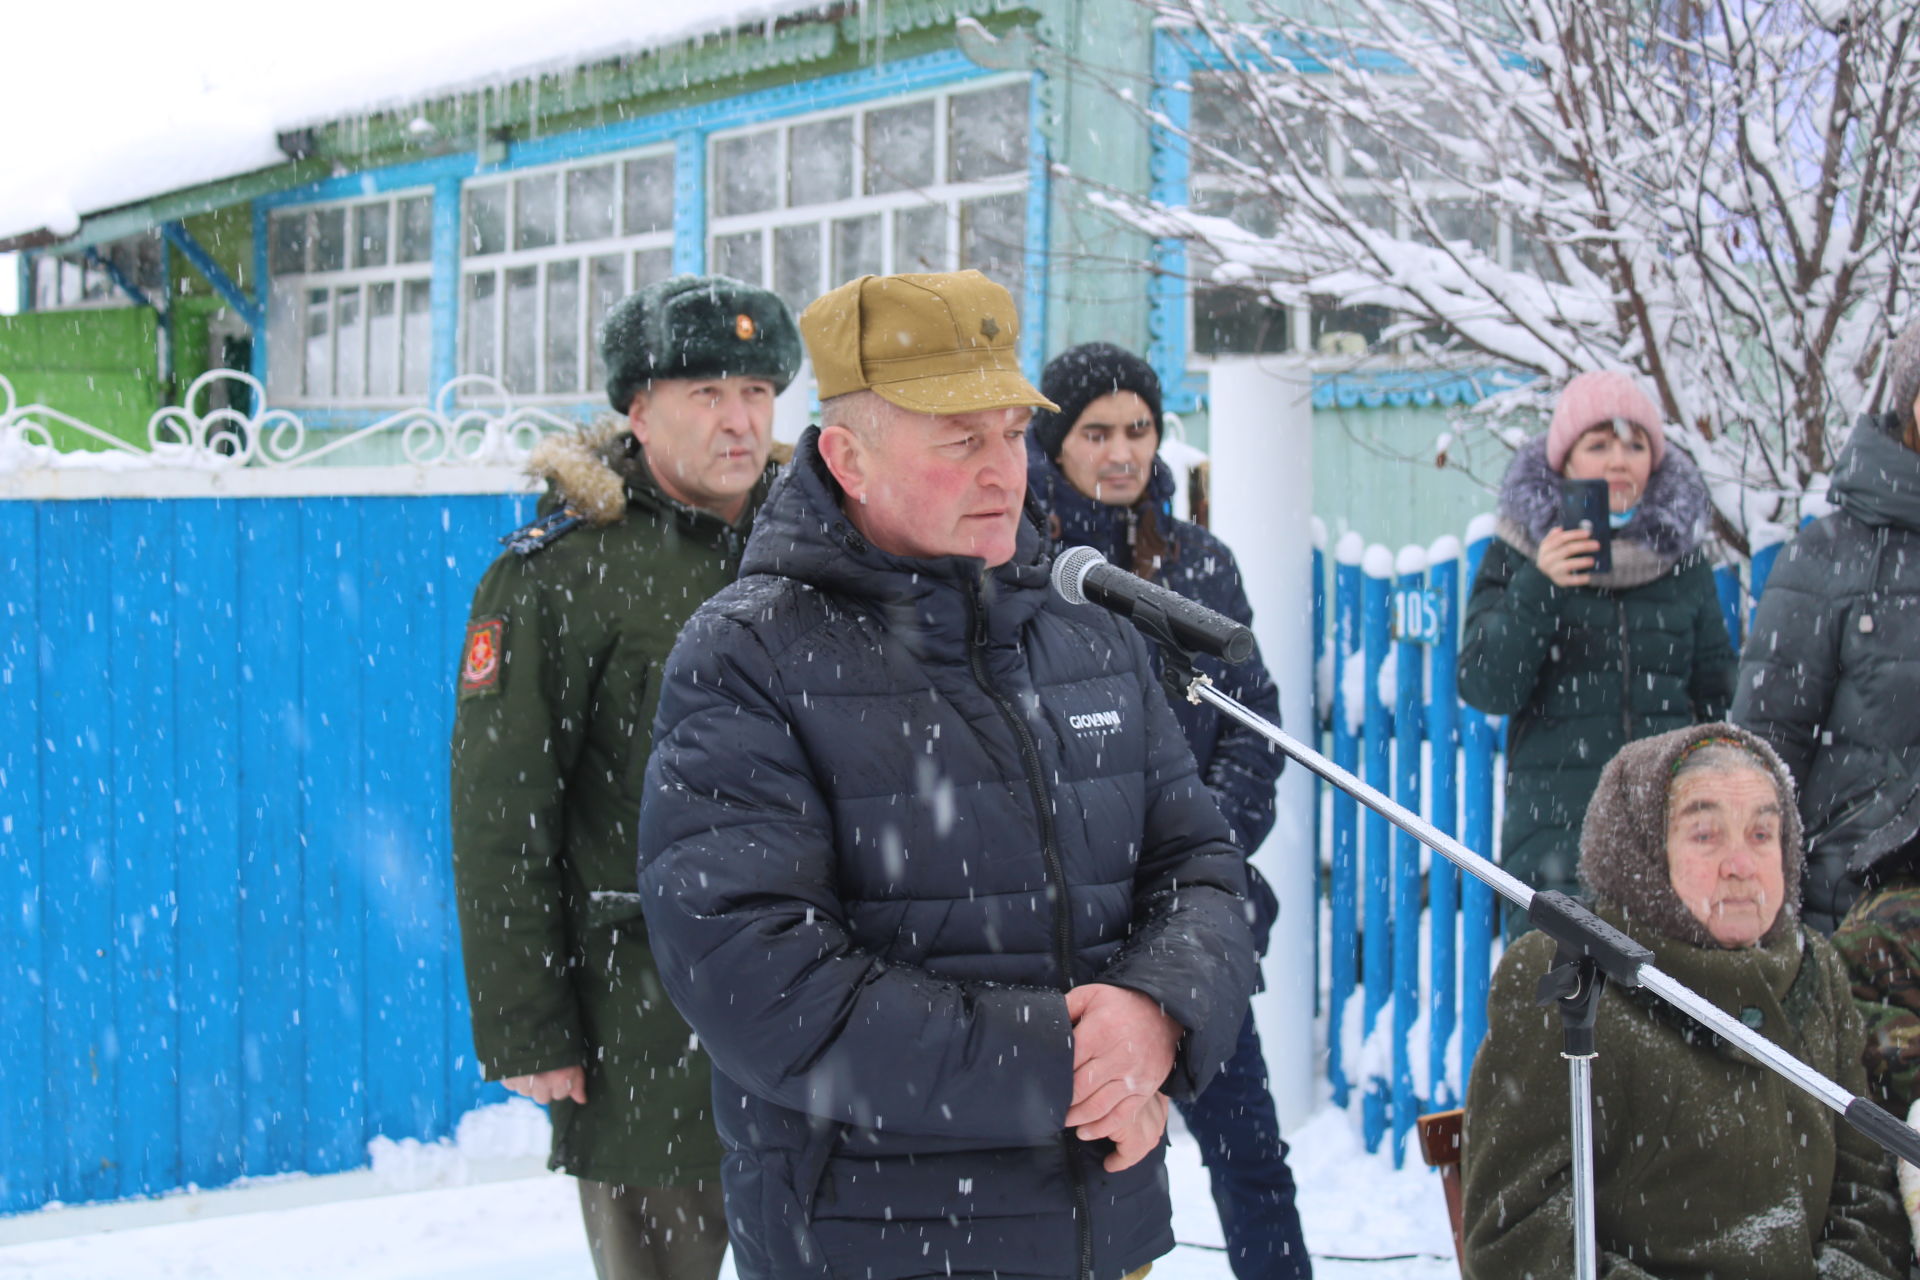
1878 940
517 733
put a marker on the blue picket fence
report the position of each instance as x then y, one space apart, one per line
1410 945
227 936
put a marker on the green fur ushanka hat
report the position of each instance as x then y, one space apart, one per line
698 327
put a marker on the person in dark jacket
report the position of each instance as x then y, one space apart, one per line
1706 1163
1583 663
643 519
924 855
1095 468
1830 675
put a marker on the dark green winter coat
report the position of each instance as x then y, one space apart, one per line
1706 1164
1582 671
558 687
1831 675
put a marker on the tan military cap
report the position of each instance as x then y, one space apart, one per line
945 342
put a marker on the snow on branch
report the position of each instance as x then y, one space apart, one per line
1720 197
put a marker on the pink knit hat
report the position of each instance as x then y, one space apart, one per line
1594 400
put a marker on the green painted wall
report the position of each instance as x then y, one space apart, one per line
99 366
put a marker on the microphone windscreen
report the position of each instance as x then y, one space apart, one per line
1070 570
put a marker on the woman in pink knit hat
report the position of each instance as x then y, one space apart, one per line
1583 662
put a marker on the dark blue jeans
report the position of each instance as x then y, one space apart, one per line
1239 1137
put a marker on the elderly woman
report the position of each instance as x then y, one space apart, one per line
1707 1164
1586 662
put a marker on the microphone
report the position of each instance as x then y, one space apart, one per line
1082 576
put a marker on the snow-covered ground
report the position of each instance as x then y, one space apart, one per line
1363 1220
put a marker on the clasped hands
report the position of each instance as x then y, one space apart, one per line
1123 1047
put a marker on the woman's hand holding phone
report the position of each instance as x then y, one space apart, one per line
1566 556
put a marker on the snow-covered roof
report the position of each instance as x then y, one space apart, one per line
109 102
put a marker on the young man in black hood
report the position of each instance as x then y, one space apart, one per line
1095 469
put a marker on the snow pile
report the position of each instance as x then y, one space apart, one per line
512 1130
177 95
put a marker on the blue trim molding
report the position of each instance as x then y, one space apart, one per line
690 202
1412 388
250 310
1033 300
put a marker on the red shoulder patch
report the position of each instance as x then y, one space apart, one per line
480 660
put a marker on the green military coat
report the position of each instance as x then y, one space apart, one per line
558 686
1707 1164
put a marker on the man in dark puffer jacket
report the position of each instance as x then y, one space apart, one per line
1830 676
925 857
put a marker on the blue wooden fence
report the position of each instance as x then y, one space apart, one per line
1410 947
227 937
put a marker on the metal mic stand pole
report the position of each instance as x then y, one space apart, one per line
1590 952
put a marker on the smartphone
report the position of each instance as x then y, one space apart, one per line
1583 505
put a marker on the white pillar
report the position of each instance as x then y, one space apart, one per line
1261 438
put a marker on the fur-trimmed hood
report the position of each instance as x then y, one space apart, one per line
1623 843
600 469
1667 526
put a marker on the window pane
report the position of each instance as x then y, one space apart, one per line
1256 211
820 162
1340 331
899 152
73 281
329 239
563 326
481 326
97 283
1237 322
993 238
523 336
383 342
651 265
738 256
920 239
350 346
1222 119
288 245
606 285
536 212
987 133
796 265
370 235
46 283
856 248
647 193
590 203
487 219
286 342
1466 220
416 337
746 173
416 230
318 379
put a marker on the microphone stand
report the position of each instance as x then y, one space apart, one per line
1590 953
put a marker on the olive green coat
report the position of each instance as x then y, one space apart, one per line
1582 671
548 758
1707 1165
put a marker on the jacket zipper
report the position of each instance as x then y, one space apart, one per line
1626 675
1056 872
